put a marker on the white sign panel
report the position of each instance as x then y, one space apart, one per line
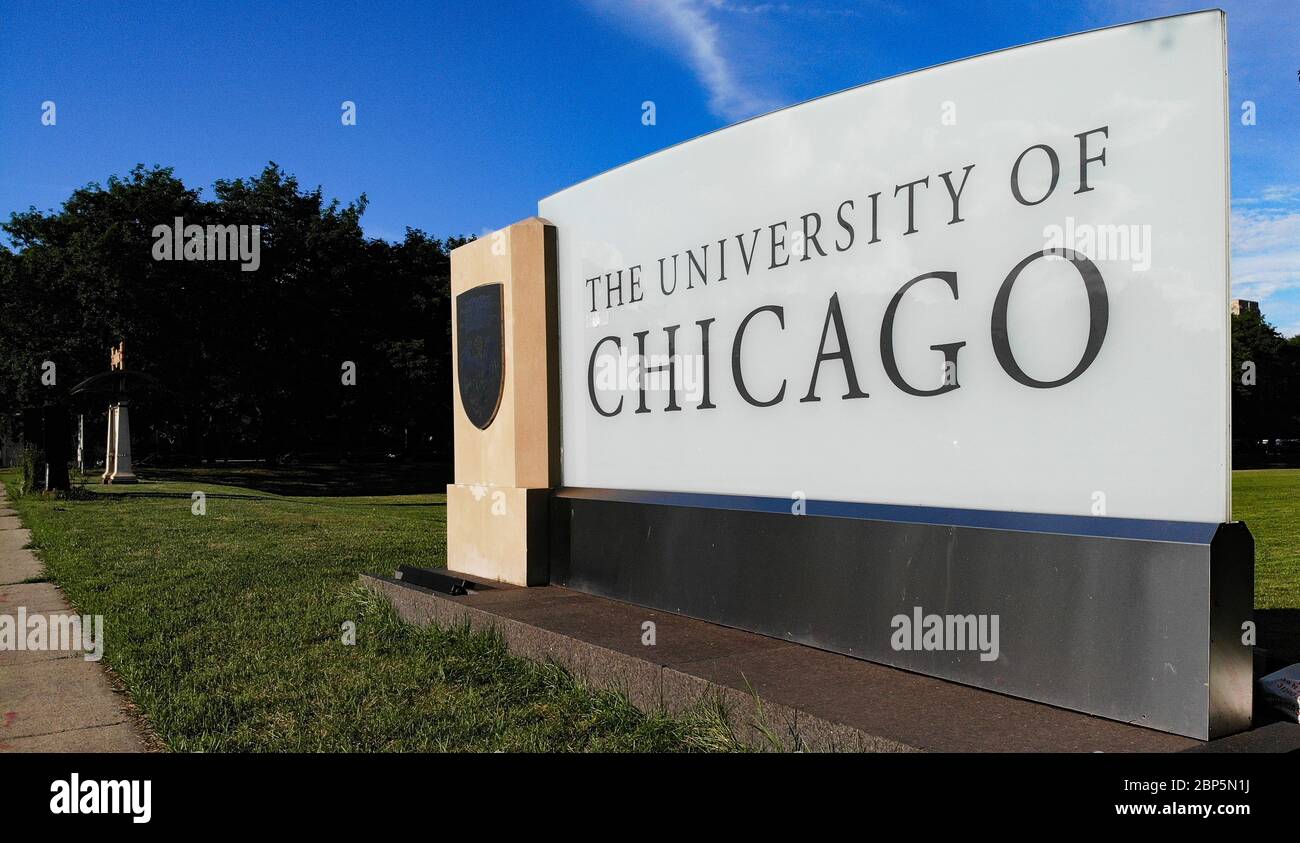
997 284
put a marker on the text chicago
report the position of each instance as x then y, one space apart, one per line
814 237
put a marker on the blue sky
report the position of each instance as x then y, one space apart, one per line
467 113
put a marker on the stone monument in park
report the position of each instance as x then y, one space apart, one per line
931 372
117 455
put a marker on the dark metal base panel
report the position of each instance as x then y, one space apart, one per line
1115 626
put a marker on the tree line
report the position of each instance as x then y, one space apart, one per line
1265 393
243 364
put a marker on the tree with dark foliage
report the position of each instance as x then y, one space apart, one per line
1265 392
250 362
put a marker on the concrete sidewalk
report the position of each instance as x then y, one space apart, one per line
51 701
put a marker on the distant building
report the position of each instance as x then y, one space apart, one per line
1240 306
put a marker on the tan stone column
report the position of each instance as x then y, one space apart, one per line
108 448
122 469
507 452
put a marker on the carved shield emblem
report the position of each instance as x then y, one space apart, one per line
480 356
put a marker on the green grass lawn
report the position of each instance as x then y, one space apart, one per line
226 627
1269 502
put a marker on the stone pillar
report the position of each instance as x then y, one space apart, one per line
505 403
108 448
122 472
117 459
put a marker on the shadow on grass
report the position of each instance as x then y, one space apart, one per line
317 480
123 496
266 496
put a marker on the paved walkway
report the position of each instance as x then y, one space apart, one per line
51 701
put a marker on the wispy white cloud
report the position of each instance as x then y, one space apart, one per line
697 30
1271 195
1266 253
800 8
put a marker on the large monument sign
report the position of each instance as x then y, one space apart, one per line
886 322
933 372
